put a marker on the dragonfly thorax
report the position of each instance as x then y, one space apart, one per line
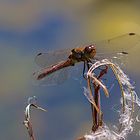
83 53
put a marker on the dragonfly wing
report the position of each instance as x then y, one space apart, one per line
119 58
121 43
117 48
52 57
60 76
55 78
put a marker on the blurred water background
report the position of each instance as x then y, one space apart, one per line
30 27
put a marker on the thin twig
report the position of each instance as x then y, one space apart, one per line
27 121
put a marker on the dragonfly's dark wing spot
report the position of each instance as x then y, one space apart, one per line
39 54
124 52
132 34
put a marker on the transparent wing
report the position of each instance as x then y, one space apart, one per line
55 78
118 47
118 58
115 48
121 43
104 48
60 76
52 57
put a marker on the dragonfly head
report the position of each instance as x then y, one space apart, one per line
90 51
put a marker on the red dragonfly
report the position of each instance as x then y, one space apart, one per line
54 63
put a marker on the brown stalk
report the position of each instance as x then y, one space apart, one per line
95 103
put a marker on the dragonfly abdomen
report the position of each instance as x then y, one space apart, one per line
54 68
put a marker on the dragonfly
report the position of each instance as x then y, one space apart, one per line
56 63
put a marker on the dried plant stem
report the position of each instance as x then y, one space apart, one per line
97 84
28 125
121 86
115 69
96 111
27 121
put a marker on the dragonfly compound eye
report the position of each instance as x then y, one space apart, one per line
89 49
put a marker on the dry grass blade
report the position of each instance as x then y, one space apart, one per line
91 99
128 99
115 70
27 121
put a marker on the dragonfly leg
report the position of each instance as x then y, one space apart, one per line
84 68
89 61
86 63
